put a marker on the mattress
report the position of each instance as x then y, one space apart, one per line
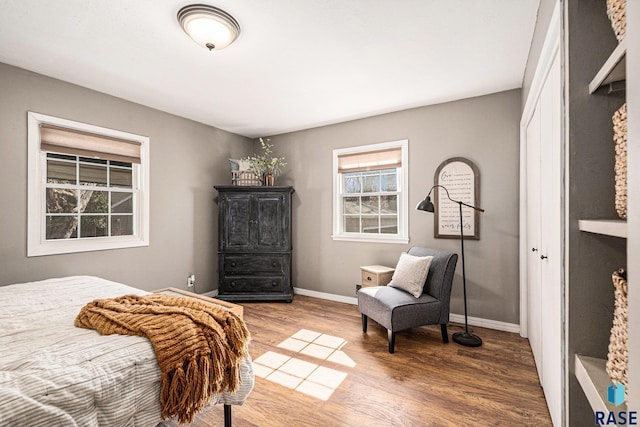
53 373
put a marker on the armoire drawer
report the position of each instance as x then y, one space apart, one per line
253 284
235 264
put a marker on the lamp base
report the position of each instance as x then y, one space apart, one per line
467 339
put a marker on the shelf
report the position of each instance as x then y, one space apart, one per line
592 376
613 70
608 227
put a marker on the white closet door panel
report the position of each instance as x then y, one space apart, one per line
551 232
534 292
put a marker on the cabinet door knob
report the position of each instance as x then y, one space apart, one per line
369 278
274 264
233 284
534 249
543 257
233 264
274 283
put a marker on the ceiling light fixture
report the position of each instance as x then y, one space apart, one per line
208 26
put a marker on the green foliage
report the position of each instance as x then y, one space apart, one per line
265 162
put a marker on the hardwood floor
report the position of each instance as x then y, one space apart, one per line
424 383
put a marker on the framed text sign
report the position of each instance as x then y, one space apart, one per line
461 178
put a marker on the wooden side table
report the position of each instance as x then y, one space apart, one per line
237 309
376 275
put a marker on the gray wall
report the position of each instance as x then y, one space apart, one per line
545 10
187 159
483 129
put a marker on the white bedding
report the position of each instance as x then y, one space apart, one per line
54 374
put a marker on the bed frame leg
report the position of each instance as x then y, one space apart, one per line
227 415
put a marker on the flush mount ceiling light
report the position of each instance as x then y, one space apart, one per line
208 26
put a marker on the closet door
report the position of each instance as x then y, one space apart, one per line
534 291
544 237
551 251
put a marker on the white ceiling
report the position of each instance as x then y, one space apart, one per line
297 63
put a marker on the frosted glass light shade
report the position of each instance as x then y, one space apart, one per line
209 26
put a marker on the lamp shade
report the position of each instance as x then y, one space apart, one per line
426 205
209 26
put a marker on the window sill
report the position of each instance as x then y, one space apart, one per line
84 245
371 239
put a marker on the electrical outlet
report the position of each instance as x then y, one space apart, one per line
191 280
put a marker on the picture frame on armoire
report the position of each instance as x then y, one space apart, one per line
461 177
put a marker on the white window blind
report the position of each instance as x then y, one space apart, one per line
371 160
70 141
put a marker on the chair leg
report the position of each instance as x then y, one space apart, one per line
392 340
227 416
445 336
364 323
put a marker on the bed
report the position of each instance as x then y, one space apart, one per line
53 373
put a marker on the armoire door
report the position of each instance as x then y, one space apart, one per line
236 221
270 230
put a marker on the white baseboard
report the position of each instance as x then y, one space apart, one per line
485 323
457 318
324 295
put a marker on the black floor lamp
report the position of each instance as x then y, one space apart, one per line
464 338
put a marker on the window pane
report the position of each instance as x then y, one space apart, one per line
351 224
352 183
121 177
351 205
389 224
61 172
62 227
122 225
389 204
370 225
389 182
96 201
61 200
370 204
371 182
93 226
93 175
121 202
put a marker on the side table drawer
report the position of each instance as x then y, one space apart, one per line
376 275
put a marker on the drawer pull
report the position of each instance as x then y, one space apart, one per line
369 278
233 264
274 264
274 283
233 284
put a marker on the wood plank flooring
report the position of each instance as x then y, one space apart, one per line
424 383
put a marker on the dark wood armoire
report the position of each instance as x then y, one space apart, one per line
254 243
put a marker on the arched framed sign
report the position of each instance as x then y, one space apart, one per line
461 178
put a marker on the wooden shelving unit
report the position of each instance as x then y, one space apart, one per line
614 69
608 227
596 64
593 379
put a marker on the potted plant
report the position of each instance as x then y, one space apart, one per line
265 165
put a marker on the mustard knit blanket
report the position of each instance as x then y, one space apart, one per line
199 346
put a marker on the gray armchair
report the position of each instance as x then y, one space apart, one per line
397 310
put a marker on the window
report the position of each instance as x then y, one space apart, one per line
88 187
370 193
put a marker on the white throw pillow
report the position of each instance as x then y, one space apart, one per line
411 273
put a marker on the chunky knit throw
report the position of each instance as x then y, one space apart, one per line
198 345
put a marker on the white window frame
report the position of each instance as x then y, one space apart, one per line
37 244
403 196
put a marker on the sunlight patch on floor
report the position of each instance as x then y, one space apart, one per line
308 378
